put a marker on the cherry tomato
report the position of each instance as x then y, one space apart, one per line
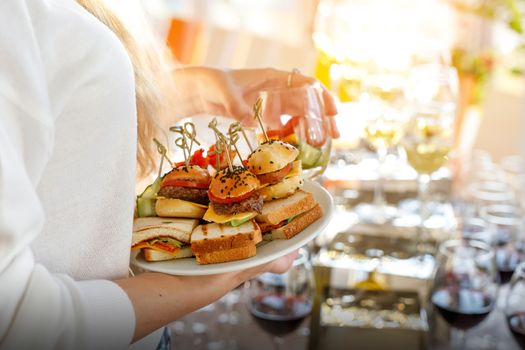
289 127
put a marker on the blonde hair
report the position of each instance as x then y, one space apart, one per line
151 83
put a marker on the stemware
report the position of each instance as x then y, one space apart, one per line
429 136
279 303
465 285
384 105
505 223
296 115
515 307
427 143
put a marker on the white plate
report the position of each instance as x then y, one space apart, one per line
265 251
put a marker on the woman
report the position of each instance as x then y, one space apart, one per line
69 103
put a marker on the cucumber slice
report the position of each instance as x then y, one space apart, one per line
146 207
308 155
151 191
325 158
236 222
146 201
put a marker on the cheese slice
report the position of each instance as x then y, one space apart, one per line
171 207
296 169
213 216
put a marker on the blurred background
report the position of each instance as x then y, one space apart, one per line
431 97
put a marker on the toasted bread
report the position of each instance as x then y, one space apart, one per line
152 227
275 211
177 208
297 224
214 237
225 255
156 255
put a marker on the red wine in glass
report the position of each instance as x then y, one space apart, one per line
279 314
517 327
462 308
507 259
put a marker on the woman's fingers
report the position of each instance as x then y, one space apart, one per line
334 131
283 264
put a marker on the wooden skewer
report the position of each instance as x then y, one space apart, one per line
163 152
233 133
221 139
257 107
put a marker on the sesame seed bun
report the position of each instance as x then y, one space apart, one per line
271 156
227 184
187 173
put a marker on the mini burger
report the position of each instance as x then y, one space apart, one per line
287 209
274 164
233 197
183 192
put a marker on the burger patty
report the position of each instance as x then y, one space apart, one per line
252 203
196 195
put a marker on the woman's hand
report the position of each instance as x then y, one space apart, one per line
233 92
159 299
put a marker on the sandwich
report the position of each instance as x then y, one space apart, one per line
285 217
163 238
216 243
287 210
183 192
233 197
274 164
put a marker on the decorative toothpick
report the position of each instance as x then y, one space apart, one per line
222 143
190 133
163 154
233 136
182 143
186 139
236 127
257 109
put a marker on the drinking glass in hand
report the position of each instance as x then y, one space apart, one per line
296 115
279 303
515 307
465 284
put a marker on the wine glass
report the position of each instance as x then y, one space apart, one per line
296 115
279 303
427 142
432 90
505 222
465 285
515 307
383 103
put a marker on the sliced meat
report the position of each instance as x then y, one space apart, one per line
275 176
196 195
252 203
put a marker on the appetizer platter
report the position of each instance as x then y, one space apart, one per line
225 212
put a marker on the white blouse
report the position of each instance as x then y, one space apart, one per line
67 171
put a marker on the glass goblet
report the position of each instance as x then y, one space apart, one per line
296 115
279 303
383 105
515 307
465 285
